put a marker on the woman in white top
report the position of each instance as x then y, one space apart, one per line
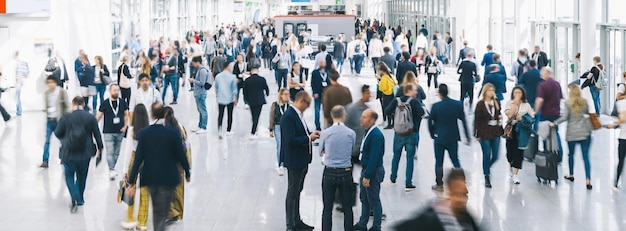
375 50
514 110
621 148
123 79
296 81
388 43
305 61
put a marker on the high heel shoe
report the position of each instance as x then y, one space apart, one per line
570 178
589 187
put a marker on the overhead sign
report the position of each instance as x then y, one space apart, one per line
24 6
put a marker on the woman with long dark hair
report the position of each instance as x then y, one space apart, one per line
178 202
140 121
101 72
515 110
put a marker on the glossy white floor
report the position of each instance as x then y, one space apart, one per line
235 185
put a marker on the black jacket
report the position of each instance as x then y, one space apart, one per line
542 60
404 67
88 121
295 149
428 220
253 89
468 70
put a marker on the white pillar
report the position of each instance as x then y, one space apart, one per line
144 25
587 43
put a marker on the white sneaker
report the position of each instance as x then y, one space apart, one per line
112 174
281 171
201 131
129 225
515 179
247 107
195 129
230 133
253 137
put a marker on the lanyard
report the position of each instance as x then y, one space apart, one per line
282 109
365 137
323 74
491 110
116 108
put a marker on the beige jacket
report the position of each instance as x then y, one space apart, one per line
63 103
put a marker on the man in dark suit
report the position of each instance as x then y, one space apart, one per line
339 53
373 172
405 66
160 151
253 88
319 82
388 59
540 57
77 131
296 154
529 81
497 79
444 129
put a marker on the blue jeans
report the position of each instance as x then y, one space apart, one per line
18 101
351 64
318 106
282 77
453 149
333 180
595 95
51 125
358 63
339 64
584 147
113 142
491 150
409 144
375 63
76 178
202 112
370 200
170 79
277 138
100 89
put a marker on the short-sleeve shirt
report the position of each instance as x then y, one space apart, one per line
120 106
550 91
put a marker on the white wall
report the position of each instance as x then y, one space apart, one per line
72 25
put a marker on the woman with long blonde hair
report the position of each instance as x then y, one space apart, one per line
488 128
410 78
276 112
579 130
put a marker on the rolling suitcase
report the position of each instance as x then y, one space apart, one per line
547 161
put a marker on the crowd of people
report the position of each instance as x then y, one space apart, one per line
229 61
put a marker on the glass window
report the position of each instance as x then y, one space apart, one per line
201 19
159 18
183 16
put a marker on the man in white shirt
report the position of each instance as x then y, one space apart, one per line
145 95
356 51
321 55
421 42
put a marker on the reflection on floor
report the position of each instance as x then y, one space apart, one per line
235 185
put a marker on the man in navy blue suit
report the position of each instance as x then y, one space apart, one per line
319 82
296 154
373 173
444 129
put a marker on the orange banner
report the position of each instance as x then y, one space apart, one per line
3 6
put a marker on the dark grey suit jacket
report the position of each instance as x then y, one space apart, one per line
73 120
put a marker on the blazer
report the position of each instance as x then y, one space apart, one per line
75 119
86 76
482 129
542 60
253 88
442 122
237 72
159 149
218 64
316 82
372 152
106 72
63 103
404 67
295 147
499 81
467 69
390 61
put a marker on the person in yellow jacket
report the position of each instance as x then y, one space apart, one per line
140 121
386 85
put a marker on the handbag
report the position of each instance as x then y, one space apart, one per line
508 131
432 69
595 122
106 80
122 196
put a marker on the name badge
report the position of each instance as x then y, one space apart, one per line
116 120
324 84
52 109
493 123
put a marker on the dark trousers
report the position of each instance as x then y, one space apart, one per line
333 180
467 89
5 114
452 149
220 116
370 200
126 94
386 101
282 78
514 155
76 178
256 113
375 63
433 76
295 183
621 151
161 197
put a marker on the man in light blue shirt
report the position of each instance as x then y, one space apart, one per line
336 145
203 75
226 92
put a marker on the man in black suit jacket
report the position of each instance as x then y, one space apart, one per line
76 162
540 57
319 82
444 129
160 150
295 153
405 66
253 88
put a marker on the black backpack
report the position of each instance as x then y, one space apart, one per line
523 67
76 141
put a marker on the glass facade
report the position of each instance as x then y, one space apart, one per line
159 19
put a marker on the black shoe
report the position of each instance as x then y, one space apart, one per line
392 180
388 127
570 178
487 182
589 187
409 187
358 228
339 209
318 129
303 226
173 103
438 188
